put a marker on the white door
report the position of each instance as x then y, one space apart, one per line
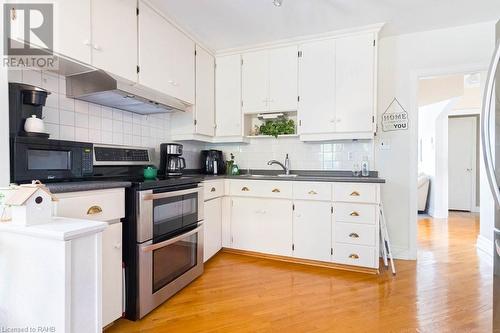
114 37
354 73
283 74
461 163
317 87
205 93
255 82
212 231
312 229
156 68
72 29
112 278
228 96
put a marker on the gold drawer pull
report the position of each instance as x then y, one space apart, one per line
94 210
354 235
245 189
354 256
354 194
354 214
276 190
212 189
313 192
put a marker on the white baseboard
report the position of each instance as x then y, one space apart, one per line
485 245
401 253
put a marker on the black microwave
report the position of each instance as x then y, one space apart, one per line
49 160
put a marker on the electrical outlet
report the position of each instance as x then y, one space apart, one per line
350 156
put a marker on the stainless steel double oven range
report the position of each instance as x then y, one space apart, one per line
162 231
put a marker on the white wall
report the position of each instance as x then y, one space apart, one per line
402 60
4 119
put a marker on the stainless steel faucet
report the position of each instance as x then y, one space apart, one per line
285 167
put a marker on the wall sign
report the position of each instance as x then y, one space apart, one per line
395 117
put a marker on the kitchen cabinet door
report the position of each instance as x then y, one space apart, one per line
156 68
114 37
184 67
228 96
112 274
312 223
355 67
317 87
212 242
72 29
205 93
262 225
255 82
283 72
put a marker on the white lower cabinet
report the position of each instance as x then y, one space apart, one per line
212 228
312 229
112 273
262 225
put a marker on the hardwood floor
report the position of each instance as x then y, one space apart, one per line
448 289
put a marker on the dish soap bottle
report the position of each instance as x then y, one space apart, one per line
365 167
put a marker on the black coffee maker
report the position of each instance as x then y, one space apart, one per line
25 101
171 162
212 162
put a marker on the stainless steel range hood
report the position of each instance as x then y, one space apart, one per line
106 89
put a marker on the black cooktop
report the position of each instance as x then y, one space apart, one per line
161 182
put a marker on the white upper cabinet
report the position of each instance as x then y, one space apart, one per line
317 87
114 37
72 29
355 74
270 80
255 82
205 93
168 69
283 79
228 96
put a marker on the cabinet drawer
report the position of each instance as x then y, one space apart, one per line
312 191
355 192
104 205
355 255
355 213
356 234
262 188
213 189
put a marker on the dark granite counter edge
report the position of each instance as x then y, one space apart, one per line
86 186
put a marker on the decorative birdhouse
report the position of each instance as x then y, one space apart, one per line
31 204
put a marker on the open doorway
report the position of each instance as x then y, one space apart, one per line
448 144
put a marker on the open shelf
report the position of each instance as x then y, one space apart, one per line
253 121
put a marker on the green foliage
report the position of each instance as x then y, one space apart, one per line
277 127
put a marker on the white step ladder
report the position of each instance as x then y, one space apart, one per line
385 242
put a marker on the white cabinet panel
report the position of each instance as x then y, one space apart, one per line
255 82
114 37
228 96
184 67
72 29
213 189
359 234
354 62
283 79
205 93
356 192
317 191
212 228
262 225
312 230
317 87
355 255
355 213
112 282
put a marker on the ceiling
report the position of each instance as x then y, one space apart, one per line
222 24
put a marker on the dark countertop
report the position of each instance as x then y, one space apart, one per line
86 185
302 175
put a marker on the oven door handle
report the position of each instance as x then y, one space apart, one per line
152 247
156 196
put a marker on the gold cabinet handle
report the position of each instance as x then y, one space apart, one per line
354 214
353 256
312 192
94 210
276 190
354 194
353 235
245 189
212 189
